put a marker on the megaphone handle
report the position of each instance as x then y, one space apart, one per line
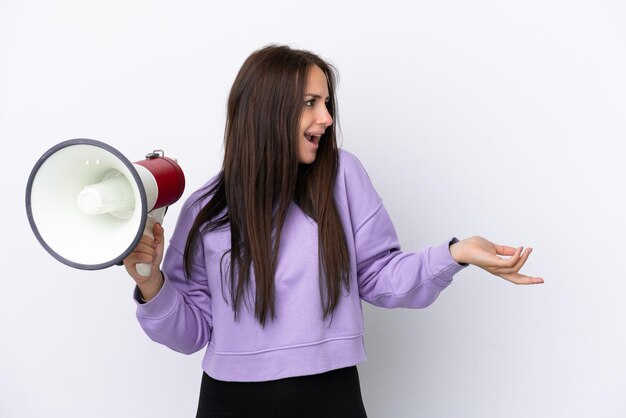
153 217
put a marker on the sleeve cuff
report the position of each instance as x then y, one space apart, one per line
454 240
443 265
159 306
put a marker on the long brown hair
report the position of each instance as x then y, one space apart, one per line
261 176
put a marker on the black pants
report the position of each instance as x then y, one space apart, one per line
328 395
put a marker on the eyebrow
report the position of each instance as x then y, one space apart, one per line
316 96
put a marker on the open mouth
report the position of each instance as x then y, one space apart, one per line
312 138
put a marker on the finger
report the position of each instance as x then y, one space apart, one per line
137 257
495 262
145 239
505 250
157 229
145 248
522 279
158 235
518 265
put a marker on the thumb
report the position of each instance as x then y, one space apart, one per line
158 231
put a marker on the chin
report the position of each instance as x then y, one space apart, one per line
307 160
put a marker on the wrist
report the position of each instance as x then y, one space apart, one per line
456 251
148 289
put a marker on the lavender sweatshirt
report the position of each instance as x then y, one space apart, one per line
187 316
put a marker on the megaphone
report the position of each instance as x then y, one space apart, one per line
89 206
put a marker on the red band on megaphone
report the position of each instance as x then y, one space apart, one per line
169 178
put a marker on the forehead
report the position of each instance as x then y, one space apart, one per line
316 82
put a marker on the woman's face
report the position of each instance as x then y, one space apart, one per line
315 117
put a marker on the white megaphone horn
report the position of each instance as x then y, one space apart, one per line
89 206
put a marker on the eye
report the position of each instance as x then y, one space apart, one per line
310 103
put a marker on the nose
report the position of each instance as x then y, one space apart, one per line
324 117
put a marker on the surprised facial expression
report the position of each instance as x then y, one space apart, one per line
315 116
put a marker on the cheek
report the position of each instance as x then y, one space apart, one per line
306 120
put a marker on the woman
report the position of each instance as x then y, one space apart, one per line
270 259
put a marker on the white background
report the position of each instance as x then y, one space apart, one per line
499 118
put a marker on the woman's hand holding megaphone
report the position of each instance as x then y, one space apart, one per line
149 251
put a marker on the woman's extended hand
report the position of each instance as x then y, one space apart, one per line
149 251
486 255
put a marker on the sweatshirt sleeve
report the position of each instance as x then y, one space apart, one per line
386 275
179 316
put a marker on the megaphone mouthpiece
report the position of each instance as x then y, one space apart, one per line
112 195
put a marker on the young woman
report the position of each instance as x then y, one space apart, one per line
270 259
